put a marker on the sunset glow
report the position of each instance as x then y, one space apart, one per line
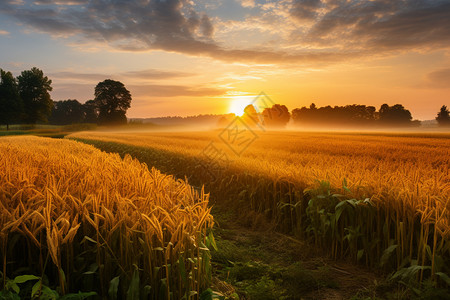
190 57
238 104
224 149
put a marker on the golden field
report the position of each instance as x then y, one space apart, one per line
72 214
379 198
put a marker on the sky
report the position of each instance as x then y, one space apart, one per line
183 57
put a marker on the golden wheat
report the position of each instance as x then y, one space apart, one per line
405 223
62 195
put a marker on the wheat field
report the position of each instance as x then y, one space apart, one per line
73 214
378 198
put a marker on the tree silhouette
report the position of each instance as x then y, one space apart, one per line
10 102
349 115
225 120
276 116
90 112
395 115
112 100
443 116
67 112
34 90
250 117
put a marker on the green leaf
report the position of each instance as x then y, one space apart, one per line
48 294
63 275
35 289
11 285
133 290
147 291
25 278
360 254
212 241
113 288
444 277
92 269
337 195
387 254
155 271
163 289
439 262
182 267
410 272
218 296
8 295
206 295
352 202
79 296
88 239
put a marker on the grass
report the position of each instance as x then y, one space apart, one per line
262 264
52 131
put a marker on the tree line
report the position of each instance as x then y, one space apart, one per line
26 100
278 116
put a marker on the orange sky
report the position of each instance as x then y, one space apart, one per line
180 57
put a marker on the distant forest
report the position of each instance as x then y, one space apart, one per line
26 100
278 116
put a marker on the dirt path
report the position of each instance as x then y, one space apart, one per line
259 263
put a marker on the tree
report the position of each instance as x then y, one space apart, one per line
348 115
112 100
396 114
90 112
250 117
443 117
34 90
10 102
225 120
276 116
67 112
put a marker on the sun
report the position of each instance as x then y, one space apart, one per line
238 104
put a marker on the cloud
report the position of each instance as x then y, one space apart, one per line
305 31
439 78
85 91
305 9
385 25
149 74
4 32
154 90
247 3
78 76
62 2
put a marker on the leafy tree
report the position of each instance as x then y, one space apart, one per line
276 116
10 102
250 117
67 112
225 120
90 112
443 116
396 114
34 90
349 115
112 100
